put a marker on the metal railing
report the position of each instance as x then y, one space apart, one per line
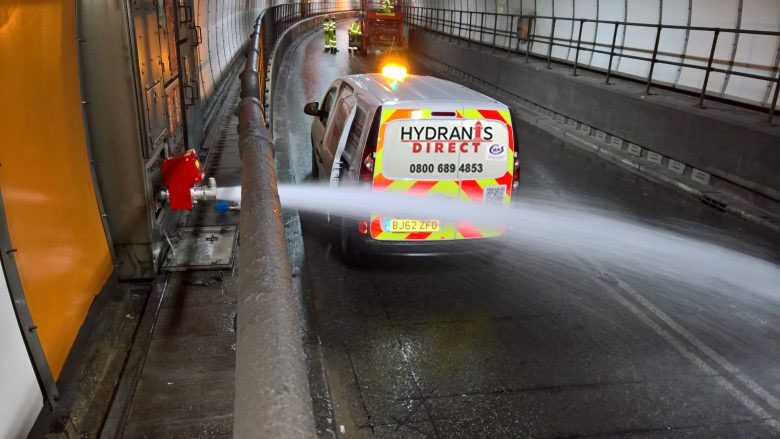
519 33
272 396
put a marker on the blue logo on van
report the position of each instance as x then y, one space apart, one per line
496 149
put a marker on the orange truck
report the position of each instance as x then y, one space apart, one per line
382 24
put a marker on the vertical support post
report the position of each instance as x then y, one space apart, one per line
612 52
460 26
452 19
495 31
481 27
550 47
530 45
509 36
577 53
468 40
652 61
774 100
709 66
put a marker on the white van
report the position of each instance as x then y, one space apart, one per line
417 135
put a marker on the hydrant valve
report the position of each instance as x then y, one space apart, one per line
179 174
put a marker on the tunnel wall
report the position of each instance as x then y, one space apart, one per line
742 154
50 202
224 26
155 73
755 54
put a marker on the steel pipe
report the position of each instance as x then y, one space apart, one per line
272 396
272 388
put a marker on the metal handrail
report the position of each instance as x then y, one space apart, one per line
272 397
462 24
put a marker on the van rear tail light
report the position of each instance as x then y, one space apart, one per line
367 170
363 227
368 162
516 172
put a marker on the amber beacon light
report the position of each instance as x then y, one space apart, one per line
395 72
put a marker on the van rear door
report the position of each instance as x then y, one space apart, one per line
485 171
446 151
411 159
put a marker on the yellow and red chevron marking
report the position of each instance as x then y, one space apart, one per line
465 190
448 188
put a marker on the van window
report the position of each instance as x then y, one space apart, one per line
341 112
327 105
374 132
337 126
353 139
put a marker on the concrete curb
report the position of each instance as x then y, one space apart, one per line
653 173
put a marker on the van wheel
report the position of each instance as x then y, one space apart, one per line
350 249
315 171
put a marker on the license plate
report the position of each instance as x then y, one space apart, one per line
411 225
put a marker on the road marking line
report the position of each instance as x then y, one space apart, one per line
745 400
717 358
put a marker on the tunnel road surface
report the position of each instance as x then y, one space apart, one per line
530 343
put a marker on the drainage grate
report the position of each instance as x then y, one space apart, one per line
712 199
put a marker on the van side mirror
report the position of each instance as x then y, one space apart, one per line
312 109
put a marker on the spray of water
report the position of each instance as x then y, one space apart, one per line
536 223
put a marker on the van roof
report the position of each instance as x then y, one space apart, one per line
414 88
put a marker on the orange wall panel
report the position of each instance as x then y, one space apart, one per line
50 203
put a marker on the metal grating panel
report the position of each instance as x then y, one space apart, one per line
202 248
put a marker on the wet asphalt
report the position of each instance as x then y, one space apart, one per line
524 342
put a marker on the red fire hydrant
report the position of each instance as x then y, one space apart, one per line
179 174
